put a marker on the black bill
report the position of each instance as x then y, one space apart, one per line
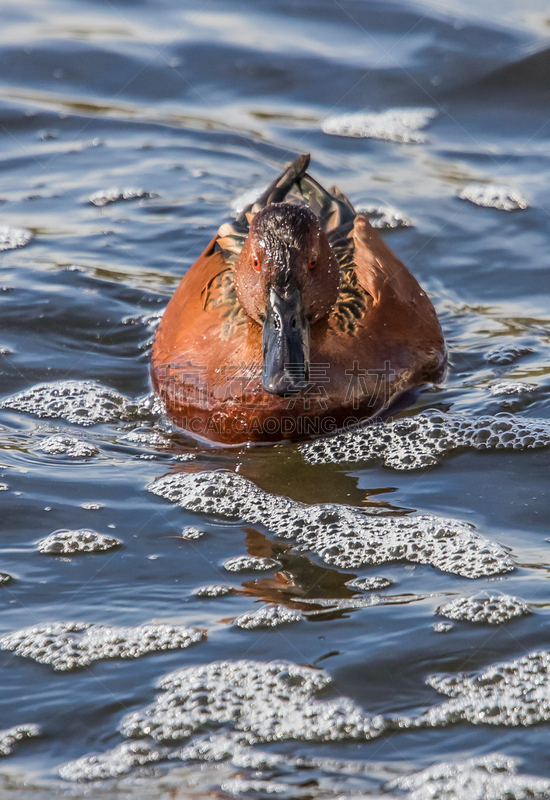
285 344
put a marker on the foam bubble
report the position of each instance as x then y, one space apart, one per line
374 583
269 616
189 532
214 590
68 645
79 402
494 609
67 446
149 437
10 738
267 702
245 563
4 487
105 196
259 703
511 387
393 125
148 404
506 354
238 786
351 602
494 196
122 759
12 238
509 693
229 745
66 543
420 441
385 217
118 761
490 777
234 746
341 535
442 627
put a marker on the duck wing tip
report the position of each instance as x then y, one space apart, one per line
295 185
300 164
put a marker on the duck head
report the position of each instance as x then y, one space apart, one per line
286 278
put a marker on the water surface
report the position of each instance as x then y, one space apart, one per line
195 105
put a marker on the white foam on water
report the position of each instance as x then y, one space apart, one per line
69 645
374 583
114 195
231 746
70 446
79 402
149 437
251 563
348 602
268 702
214 590
85 540
127 756
265 702
393 125
268 616
442 627
13 238
11 737
493 609
238 786
490 777
513 693
421 441
190 532
384 217
118 761
511 387
340 535
491 195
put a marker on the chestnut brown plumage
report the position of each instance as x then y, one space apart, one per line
295 321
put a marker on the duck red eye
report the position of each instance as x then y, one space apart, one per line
256 263
312 262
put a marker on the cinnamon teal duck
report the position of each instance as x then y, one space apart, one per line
296 321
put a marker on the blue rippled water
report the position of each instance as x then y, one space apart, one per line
190 106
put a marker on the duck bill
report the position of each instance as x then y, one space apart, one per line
285 344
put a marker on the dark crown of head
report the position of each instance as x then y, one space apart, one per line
284 222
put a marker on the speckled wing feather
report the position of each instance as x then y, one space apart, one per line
219 292
351 305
